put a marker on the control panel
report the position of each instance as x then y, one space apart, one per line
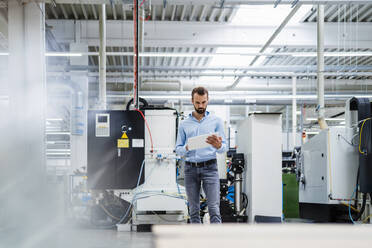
102 125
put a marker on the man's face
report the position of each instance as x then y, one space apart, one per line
200 103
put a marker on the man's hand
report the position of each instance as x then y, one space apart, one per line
187 148
215 141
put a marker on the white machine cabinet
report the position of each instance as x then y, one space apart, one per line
259 137
160 172
329 168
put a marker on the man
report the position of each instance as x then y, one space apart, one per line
201 164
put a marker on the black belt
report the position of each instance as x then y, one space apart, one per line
202 164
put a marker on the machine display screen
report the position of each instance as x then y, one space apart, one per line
102 119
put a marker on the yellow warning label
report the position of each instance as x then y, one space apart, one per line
124 136
123 143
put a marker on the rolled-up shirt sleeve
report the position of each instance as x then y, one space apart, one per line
181 141
220 131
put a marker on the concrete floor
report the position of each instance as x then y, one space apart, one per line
75 238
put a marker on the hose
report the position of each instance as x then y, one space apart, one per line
145 104
363 207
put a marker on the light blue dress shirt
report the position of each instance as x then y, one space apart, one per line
191 127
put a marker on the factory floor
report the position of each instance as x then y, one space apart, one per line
75 238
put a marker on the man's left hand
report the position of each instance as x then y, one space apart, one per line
215 141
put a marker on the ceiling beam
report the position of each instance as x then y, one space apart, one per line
212 2
196 34
94 11
280 68
84 11
64 11
74 12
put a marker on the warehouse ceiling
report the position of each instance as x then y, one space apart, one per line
200 43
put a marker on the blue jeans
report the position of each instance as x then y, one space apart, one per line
208 177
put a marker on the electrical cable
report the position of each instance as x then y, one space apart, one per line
352 208
131 203
148 17
365 220
135 198
349 143
148 129
360 136
350 216
143 1
360 211
363 207
108 213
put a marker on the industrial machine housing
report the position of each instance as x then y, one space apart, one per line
332 165
259 137
137 163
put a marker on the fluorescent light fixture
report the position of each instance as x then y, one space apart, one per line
327 119
4 53
312 132
54 119
333 54
244 97
250 100
217 54
54 54
228 101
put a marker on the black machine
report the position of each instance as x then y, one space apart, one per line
233 209
364 178
115 149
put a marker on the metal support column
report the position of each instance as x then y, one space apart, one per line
294 110
136 54
320 74
102 57
287 125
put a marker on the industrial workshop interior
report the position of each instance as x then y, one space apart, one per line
177 123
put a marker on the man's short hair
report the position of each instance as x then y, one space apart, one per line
200 91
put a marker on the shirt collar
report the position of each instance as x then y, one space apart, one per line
205 116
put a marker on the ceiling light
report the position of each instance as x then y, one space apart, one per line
333 54
57 54
327 119
250 100
311 132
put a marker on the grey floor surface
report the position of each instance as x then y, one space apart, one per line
75 238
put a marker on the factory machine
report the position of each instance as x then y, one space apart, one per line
233 202
335 168
136 164
259 138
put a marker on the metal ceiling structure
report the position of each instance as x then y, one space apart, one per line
343 13
205 27
171 12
